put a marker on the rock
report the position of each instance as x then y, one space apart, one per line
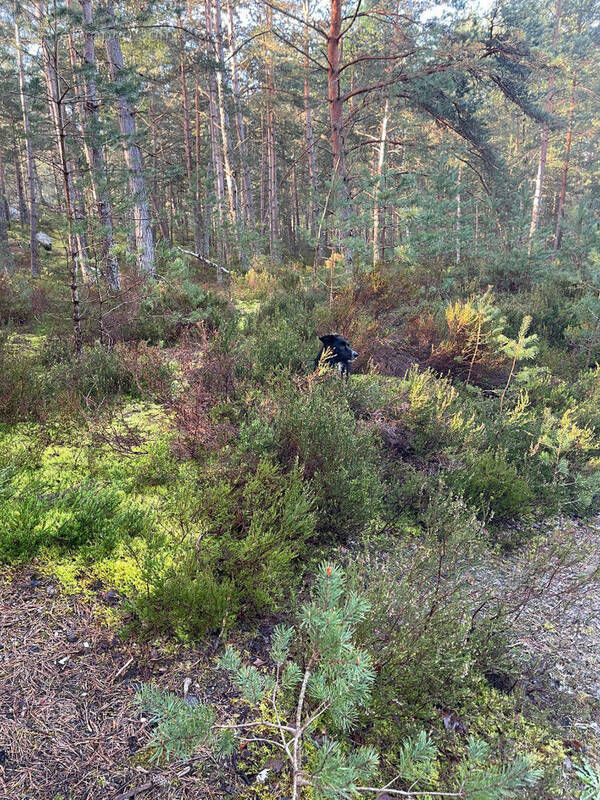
13 214
44 240
71 635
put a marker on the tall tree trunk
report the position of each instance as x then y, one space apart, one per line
246 184
49 61
49 53
33 209
215 142
133 155
377 254
541 172
224 123
558 233
4 207
308 127
458 214
273 202
6 260
336 117
93 147
187 138
23 213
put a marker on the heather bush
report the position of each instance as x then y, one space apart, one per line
316 427
233 543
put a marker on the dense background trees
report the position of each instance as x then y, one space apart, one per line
381 132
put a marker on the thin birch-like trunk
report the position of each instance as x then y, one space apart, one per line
215 141
6 260
271 147
23 212
224 123
541 171
558 233
377 252
133 155
50 64
246 183
33 209
187 138
93 149
308 127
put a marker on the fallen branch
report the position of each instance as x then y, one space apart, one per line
204 260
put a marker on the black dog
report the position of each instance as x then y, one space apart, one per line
337 353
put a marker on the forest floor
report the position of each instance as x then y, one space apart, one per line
69 728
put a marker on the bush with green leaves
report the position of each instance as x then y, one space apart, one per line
231 543
339 456
281 336
172 307
320 679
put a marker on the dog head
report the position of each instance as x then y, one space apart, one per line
341 352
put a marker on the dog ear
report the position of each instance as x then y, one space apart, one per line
327 339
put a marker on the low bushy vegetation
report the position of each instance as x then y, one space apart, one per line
198 465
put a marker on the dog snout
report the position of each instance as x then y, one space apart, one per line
354 355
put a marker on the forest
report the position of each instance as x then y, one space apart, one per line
227 569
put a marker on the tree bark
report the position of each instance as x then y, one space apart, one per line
224 116
558 233
213 128
33 209
6 260
273 202
377 253
93 147
336 117
187 138
308 128
56 98
246 184
133 155
541 172
23 212
49 54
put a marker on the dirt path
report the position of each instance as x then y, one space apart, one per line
68 726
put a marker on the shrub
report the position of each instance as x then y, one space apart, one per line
339 456
493 486
89 516
174 307
319 681
234 545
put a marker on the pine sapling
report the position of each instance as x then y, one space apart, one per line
523 348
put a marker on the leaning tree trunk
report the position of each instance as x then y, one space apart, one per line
49 61
133 155
565 171
33 210
541 172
